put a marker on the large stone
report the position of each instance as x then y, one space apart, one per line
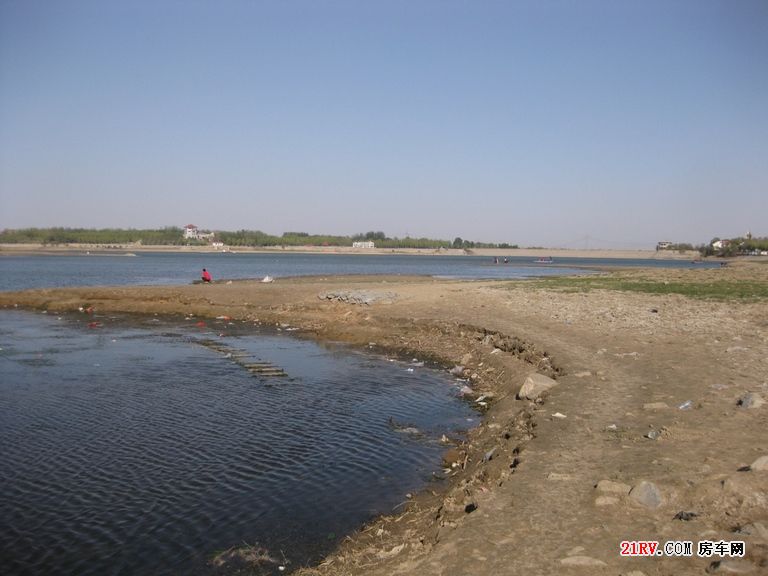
646 494
534 386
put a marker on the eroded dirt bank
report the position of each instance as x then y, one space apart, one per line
647 400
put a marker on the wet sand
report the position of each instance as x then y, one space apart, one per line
646 400
68 249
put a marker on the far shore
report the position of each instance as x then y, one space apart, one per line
70 249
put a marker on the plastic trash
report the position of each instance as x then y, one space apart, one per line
687 405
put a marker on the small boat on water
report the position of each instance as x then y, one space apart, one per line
544 260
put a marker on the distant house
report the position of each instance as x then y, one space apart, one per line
368 244
192 232
663 245
721 244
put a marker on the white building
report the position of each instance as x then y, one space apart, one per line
192 232
368 244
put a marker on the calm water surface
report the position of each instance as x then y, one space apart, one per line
41 271
142 446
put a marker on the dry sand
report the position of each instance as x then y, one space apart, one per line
646 400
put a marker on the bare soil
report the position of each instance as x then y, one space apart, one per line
523 494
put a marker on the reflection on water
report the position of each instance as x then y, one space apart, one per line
144 448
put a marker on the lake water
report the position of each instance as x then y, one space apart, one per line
21 272
144 445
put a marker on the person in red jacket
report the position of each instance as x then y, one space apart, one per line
206 275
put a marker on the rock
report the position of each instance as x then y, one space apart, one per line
646 494
534 386
457 370
606 501
611 487
685 516
751 400
451 457
581 561
366 297
558 476
757 529
760 465
655 406
489 455
384 554
466 358
466 391
745 491
731 566
732 349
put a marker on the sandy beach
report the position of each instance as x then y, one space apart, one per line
646 421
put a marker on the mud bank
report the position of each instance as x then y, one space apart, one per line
645 436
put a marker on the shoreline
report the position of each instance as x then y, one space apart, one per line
73 249
522 496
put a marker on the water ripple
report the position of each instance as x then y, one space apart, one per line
135 451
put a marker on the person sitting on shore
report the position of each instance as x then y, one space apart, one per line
206 275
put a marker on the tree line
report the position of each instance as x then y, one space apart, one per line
174 236
170 236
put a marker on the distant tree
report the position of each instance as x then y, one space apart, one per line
458 242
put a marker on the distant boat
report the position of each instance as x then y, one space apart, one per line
544 260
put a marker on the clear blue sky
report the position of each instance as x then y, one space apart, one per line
556 123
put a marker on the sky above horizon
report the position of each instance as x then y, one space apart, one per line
589 124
